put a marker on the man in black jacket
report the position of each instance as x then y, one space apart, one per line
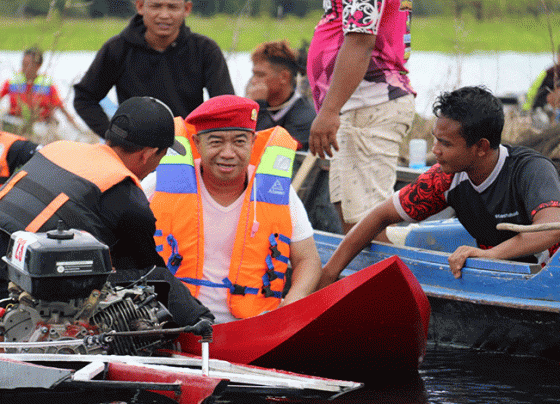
156 55
273 87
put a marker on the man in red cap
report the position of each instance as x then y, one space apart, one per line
228 220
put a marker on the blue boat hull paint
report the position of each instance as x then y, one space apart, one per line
496 305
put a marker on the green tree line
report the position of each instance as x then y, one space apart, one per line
480 9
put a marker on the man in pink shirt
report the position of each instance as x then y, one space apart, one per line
365 103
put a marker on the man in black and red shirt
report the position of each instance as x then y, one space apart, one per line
486 183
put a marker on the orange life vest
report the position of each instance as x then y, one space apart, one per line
6 141
261 249
64 181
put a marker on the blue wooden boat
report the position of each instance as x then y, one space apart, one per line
496 305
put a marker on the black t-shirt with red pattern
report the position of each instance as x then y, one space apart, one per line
522 183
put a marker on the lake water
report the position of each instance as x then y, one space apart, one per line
454 376
430 73
447 375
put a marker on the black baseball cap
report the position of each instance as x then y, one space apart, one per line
144 121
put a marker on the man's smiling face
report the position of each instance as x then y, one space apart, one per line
225 155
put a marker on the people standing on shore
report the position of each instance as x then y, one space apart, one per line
274 87
156 55
365 103
33 97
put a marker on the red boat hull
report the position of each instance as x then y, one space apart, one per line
375 320
194 389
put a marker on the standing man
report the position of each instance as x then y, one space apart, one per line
156 55
96 188
273 87
485 182
33 96
228 220
365 103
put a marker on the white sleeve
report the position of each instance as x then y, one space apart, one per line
301 226
149 185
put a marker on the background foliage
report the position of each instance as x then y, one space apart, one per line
449 26
481 9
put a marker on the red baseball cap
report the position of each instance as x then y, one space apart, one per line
224 112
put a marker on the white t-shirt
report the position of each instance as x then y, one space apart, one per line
218 243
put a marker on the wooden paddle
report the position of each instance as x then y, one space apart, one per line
521 228
304 170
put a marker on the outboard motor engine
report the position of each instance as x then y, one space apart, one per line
59 296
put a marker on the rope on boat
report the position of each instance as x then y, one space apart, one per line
526 228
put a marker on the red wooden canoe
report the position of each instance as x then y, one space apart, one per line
375 319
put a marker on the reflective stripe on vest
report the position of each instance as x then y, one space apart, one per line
41 84
256 274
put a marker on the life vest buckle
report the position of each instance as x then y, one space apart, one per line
267 292
271 275
238 290
176 260
274 251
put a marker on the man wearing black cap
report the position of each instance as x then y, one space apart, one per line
96 188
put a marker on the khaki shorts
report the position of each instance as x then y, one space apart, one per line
363 172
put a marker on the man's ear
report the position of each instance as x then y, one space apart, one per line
147 152
140 7
188 8
286 76
483 146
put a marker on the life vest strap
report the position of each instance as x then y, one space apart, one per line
234 289
54 203
47 213
175 259
274 252
13 182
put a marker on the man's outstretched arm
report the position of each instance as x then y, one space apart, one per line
357 239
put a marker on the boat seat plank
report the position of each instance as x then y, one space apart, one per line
88 372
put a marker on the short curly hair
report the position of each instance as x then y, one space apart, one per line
479 112
279 54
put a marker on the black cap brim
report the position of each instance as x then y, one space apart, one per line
179 148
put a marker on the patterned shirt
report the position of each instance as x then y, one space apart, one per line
386 77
